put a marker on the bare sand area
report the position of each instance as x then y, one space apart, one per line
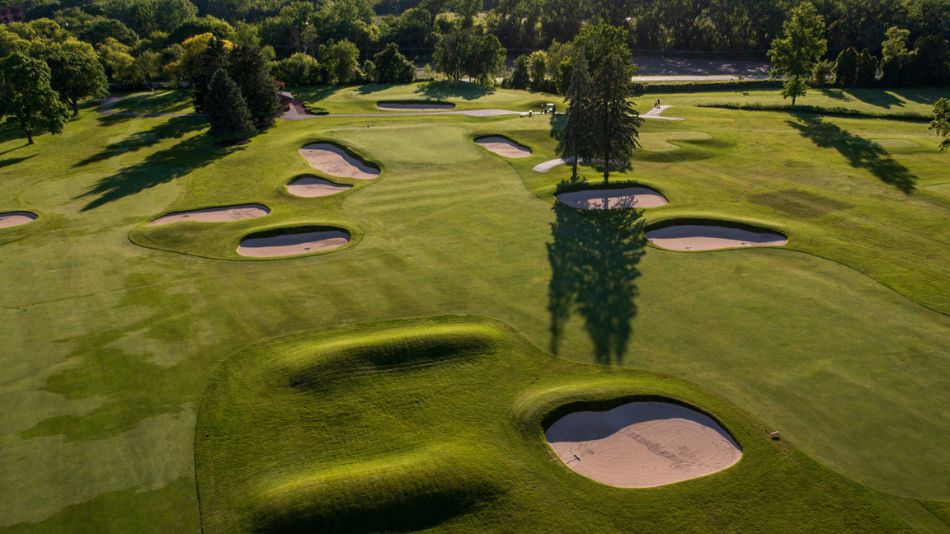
10 219
642 444
336 161
292 244
655 113
503 146
213 215
416 106
549 164
599 199
312 187
711 237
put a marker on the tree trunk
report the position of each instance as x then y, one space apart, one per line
29 136
75 107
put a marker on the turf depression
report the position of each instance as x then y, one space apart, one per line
441 425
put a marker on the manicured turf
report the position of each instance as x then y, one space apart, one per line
838 340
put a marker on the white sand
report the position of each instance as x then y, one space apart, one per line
213 215
292 244
628 197
312 187
335 161
654 113
642 444
16 218
549 164
503 146
710 237
417 106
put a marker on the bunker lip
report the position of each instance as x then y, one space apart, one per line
337 161
9 219
612 198
313 186
699 235
216 214
292 241
642 444
416 105
503 146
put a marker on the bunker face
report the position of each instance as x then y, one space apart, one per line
16 218
711 237
598 199
642 444
503 146
416 106
292 243
311 187
335 161
212 215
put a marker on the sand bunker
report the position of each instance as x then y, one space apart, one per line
335 161
598 199
503 146
312 187
416 106
642 444
550 164
213 215
16 218
712 237
292 242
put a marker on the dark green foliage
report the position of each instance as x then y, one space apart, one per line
392 66
299 69
795 53
250 70
613 122
866 72
846 67
27 96
341 62
941 122
931 60
470 52
574 140
196 26
600 41
102 29
76 72
199 70
519 77
227 110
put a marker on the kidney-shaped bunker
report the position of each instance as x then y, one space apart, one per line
336 161
292 241
16 218
217 214
695 236
312 187
642 444
503 146
617 198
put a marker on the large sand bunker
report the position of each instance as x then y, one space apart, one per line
213 215
627 197
642 444
292 242
712 237
416 106
312 187
503 146
16 218
335 161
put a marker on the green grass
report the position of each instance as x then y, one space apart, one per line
837 340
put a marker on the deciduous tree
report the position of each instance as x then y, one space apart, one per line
28 97
76 72
795 53
941 122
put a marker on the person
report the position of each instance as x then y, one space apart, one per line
657 103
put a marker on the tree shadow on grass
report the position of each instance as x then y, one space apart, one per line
594 256
158 168
836 94
876 97
446 89
173 128
860 152
373 88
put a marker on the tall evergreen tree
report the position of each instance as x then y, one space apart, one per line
250 70
26 95
614 123
202 67
573 143
227 110
795 53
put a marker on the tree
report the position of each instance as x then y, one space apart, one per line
250 70
299 69
795 53
342 59
204 55
895 56
574 141
930 62
28 96
602 40
393 67
520 76
941 122
538 69
76 72
117 60
613 123
866 72
227 110
846 67
471 52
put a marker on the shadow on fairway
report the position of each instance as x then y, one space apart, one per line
173 128
158 168
594 256
373 88
876 97
443 90
860 152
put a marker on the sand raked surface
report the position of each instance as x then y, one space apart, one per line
213 215
335 161
503 146
627 197
642 444
710 237
10 219
416 106
312 187
292 244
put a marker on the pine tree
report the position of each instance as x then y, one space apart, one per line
574 135
614 123
250 70
26 95
202 68
227 110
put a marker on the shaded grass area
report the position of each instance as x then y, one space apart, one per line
276 456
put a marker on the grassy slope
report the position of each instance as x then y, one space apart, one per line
109 344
